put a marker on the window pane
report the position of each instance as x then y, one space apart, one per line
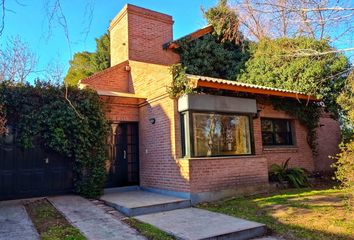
276 132
216 134
267 125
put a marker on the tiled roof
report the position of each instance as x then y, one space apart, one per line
263 89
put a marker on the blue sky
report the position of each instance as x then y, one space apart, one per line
29 22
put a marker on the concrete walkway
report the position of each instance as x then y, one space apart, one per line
137 202
93 221
194 223
15 223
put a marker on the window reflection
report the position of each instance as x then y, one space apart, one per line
221 134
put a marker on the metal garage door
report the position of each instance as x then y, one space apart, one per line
33 172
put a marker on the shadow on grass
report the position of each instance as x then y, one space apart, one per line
294 213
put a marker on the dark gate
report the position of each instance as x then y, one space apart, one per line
123 164
32 172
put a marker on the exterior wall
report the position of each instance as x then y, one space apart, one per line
120 109
159 142
138 34
118 32
111 79
328 139
215 174
300 154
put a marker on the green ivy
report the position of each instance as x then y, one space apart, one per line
180 82
43 116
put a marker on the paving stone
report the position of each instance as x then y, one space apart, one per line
193 223
92 220
15 223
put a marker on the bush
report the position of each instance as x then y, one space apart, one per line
42 115
297 177
345 165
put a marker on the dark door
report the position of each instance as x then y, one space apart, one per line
32 172
123 164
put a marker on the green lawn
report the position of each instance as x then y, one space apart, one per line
50 224
297 213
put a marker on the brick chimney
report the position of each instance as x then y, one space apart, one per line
138 34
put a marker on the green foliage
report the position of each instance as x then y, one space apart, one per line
295 176
207 56
225 22
42 115
221 54
102 56
85 64
345 165
345 159
307 113
80 68
180 83
278 63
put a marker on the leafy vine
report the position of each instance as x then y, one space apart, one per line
42 116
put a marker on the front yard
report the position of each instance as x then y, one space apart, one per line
297 213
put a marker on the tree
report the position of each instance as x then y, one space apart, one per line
16 61
274 63
80 68
345 160
225 22
207 56
84 64
102 56
220 54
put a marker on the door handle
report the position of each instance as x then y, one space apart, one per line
125 154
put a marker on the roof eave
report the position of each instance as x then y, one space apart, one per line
249 89
194 35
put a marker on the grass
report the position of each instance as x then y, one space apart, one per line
50 224
296 213
147 230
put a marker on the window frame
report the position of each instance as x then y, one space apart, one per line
274 144
187 136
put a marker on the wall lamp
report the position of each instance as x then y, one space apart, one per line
152 120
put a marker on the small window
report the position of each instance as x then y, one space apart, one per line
276 132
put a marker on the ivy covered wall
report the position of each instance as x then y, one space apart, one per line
73 126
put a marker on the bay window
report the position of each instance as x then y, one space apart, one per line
216 134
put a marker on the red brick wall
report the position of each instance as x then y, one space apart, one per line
215 174
139 34
328 139
112 79
300 154
159 166
120 109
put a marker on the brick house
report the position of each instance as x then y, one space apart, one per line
200 146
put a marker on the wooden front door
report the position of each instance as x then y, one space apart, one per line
123 163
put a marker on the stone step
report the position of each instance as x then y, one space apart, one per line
138 202
197 224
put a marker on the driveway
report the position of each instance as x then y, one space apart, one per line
15 223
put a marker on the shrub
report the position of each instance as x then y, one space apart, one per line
297 177
345 165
